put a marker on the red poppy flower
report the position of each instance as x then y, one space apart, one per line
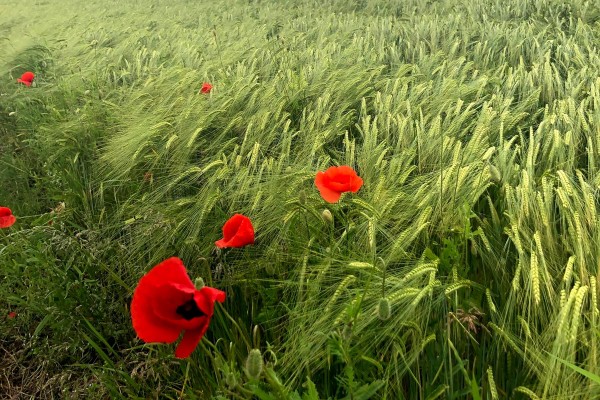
12 315
237 232
6 217
206 88
26 78
337 180
166 303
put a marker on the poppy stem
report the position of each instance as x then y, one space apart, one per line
224 310
346 213
384 266
306 224
237 396
271 377
185 379
212 345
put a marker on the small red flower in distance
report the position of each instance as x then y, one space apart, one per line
6 217
12 315
237 232
26 78
206 88
166 303
337 180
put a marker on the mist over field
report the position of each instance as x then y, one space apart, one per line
300 200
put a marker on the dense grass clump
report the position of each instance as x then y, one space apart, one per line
465 267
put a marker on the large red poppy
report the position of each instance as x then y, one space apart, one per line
6 217
237 232
337 180
206 88
27 78
166 303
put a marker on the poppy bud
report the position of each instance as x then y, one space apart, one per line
231 380
302 198
384 310
473 248
254 364
199 283
494 173
327 216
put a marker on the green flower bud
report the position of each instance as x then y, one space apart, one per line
199 283
302 198
231 380
254 364
327 216
384 309
474 250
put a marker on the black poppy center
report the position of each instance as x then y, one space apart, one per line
189 310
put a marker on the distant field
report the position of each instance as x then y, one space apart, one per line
465 267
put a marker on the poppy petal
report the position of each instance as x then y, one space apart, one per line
337 180
170 270
339 187
205 299
148 326
190 341
6 217
357 183
344 170
167 299
221 243
244 234
8 221
328 195
28 76
231 226
206 87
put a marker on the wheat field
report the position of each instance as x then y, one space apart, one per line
467 265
